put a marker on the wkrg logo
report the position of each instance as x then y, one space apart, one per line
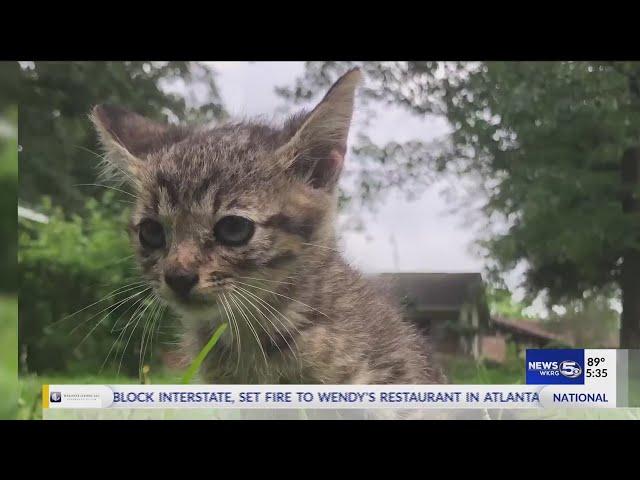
55 397
555 367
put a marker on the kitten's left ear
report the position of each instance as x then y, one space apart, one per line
316 151
129 138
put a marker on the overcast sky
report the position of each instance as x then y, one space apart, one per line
428 236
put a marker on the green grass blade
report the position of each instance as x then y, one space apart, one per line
193 368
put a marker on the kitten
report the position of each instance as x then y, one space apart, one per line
236 224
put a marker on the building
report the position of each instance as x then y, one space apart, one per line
522 333
450 307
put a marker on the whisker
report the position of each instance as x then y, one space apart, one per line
231 329
138 318
113 306
150 336
145 330
105 186
259 310
103 159
148 329
246 309
160 318
115 292
123 330
115 324
266 280
121 335
284 296
137 314
321 246
255 334
234 323
274 312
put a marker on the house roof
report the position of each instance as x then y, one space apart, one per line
431 291
529 328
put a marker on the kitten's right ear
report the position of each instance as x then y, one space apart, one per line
315 153
128 138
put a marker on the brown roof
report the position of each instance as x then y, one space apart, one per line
436 290
531 328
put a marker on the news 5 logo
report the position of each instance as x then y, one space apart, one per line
555 367
55 397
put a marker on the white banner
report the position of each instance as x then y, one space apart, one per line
596 370
327 396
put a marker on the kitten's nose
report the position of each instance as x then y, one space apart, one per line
181 281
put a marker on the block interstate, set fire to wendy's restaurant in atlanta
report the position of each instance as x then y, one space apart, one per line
332 397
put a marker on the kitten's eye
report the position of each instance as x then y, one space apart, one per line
151 234
233 230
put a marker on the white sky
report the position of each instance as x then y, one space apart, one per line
428 237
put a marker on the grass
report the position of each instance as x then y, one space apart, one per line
466 371
195 365
8 356
30 387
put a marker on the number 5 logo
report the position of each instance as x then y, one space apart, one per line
570 369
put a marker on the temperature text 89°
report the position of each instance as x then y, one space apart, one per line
595 361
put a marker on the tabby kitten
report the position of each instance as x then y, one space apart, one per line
236 224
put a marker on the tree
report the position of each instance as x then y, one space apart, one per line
546 142
589 323
58 145
501 302
8 194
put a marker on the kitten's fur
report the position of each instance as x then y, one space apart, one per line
317 319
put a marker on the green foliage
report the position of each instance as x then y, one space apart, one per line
59 147
501 302
8 261
197 362
591 322
8 196
68 264
466 371
8 356
552 150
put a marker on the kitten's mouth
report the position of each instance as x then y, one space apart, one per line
198 298
192 301
195 300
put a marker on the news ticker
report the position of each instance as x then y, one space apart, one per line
590 378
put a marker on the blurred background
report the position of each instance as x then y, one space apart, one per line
498 197
8 239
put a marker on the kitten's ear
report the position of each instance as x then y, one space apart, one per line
128 137
315 153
